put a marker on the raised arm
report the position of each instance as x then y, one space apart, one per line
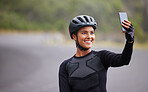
115 60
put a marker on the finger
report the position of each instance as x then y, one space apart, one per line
127 21
125 26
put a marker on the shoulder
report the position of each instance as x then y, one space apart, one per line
104 53
64 63
101 52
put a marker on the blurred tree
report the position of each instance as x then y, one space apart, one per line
145 13
56 14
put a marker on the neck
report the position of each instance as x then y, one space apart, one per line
81 53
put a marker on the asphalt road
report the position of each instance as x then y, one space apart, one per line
29 64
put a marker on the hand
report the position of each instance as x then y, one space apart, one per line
129 34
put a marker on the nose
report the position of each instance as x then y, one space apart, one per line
89 35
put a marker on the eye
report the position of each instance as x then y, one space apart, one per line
84 32
92 32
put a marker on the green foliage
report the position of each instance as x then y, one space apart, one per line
56 14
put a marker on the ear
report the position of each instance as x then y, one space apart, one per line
74 37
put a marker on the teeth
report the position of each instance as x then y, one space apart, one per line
88 41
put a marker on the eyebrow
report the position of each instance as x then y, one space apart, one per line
85 30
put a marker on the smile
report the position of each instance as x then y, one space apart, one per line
88 41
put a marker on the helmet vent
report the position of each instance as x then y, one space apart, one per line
81 19
75 22
86 18
91 20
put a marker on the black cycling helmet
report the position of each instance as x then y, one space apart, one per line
81 21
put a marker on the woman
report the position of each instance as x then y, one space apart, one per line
86 71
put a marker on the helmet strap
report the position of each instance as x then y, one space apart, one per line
79 46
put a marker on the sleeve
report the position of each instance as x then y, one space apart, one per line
63 79
111 59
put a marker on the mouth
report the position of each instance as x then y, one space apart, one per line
88 41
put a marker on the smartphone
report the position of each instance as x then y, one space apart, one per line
123 16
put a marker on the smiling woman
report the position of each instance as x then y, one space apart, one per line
86 71
85 37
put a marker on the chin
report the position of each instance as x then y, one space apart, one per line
88 47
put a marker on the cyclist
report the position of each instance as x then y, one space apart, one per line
86 71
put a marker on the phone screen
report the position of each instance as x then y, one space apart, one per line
123 16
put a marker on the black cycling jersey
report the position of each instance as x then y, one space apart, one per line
88 73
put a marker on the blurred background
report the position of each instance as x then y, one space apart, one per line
55 15
34 40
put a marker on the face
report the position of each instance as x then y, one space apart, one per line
86 36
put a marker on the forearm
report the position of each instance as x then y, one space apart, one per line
127 53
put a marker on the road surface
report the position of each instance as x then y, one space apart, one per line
29 64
